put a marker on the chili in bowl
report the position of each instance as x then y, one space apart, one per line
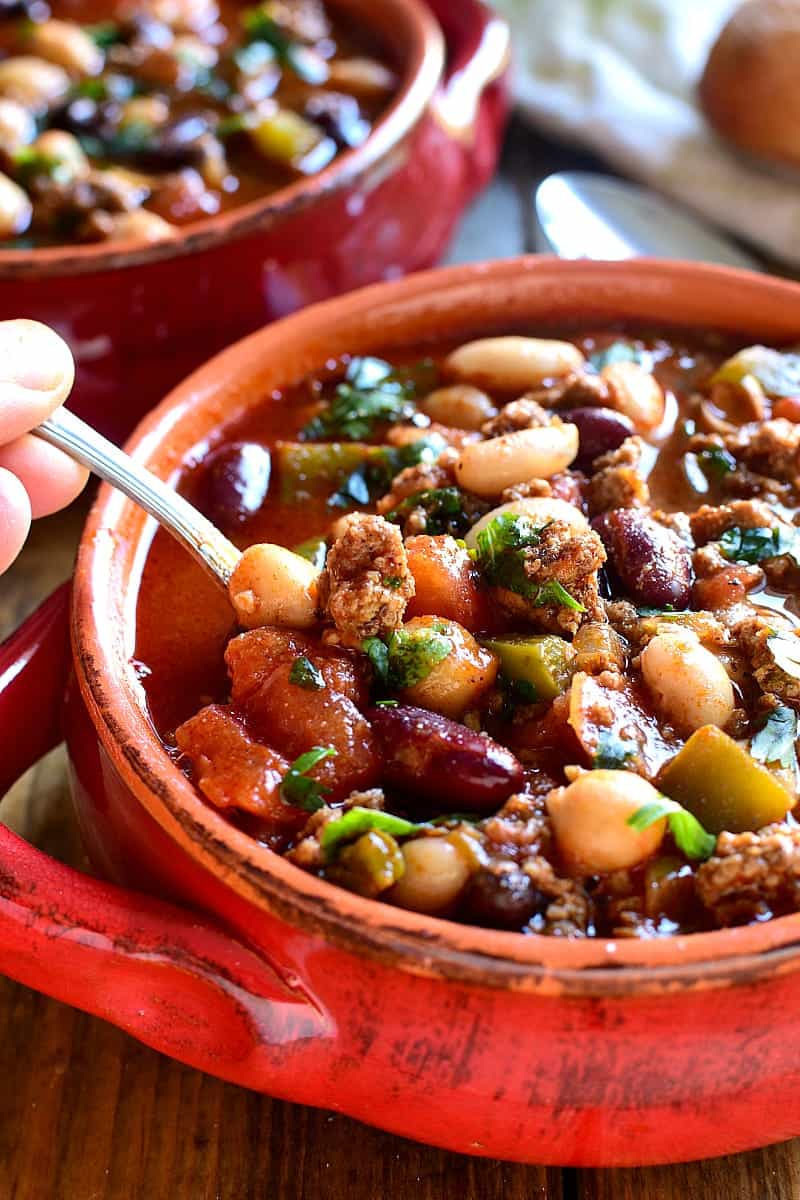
510 995
526 654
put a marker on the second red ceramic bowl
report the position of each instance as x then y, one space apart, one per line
139 318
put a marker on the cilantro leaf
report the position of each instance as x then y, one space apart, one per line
613 752
315 549
378 654
306 63
374 476
689 835
297 788
775 740
408 656
501 555
372 392
444 510
740 544
306 675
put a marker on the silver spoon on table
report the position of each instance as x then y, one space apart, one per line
203 540
582 214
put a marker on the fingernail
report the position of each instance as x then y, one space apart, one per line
32 356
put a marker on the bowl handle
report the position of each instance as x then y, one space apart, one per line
172 979
472 102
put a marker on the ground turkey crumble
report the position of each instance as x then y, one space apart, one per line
366 584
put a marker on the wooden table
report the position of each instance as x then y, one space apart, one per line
87 1113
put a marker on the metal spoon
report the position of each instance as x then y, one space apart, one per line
194 531
580 214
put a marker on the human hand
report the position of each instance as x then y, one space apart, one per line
36 376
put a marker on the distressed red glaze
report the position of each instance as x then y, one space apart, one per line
528 1048
139 319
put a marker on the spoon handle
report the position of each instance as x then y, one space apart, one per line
194 531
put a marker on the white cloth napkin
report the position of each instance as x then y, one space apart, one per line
619 77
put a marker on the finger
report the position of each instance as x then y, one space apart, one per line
50 478
15 518
36 375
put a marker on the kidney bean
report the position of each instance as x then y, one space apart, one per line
651 564
444 763
599 430
339 116
501 901
235 484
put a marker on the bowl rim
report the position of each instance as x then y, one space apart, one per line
115 544
422 69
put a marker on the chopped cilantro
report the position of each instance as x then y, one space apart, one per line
393 581
515 692
297 788
775 740
305 62
689 835
378 654
386 703
374 475
315 549
613 752
104 34
754 545
409 655
306 675
30 163
501 556
615 353
373 392
445 510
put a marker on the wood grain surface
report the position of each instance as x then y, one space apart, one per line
87 1113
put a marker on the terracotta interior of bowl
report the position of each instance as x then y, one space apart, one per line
415 46
453 303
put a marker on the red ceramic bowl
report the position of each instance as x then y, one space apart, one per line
539 1049
139 318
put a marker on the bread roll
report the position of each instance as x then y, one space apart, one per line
750 89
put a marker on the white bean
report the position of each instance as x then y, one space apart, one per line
17 127
635 393
65 43
15 208
65 150
273 586
457 681
540 509
35 84
144 110
590 818
460 405
140 226
514 363
435 873
488 467
688 683
361 76
189 16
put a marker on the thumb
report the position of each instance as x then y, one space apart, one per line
36 375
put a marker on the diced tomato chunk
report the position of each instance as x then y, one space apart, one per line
447 583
